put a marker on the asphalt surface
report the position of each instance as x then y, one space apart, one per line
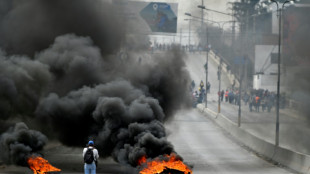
202 144
211 150
294 129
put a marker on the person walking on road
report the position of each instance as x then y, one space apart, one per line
257 103
226 96
208 87
263 103
91 156
251 103
246 98
193 85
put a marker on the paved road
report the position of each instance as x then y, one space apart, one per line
195 137
211 150
294 130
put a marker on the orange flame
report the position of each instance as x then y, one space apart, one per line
40 165
142 160
158 166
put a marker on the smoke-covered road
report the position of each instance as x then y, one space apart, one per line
196 138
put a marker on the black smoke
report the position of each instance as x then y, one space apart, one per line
18 142
27 26
64 72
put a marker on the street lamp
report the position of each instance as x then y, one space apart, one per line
189 31
207 58
219 93
279 10
203 7
206 66
208 47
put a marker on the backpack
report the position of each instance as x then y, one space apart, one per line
89 156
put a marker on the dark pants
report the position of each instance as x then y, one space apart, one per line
250 106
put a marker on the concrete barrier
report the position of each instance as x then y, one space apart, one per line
293 160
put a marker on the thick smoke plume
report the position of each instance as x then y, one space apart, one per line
73 83
31 25
18 142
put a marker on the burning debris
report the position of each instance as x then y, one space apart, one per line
80 87
20 145
19 142
167 164
40 165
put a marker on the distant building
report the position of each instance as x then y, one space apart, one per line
294 47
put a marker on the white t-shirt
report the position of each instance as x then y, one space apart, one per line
95 152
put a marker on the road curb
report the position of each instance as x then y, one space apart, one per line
293 160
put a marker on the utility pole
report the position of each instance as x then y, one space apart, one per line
279 10
233 41
233 29
202 15
219 93
189 34
206 65
181 37
242 65
278 84
247 48
239 100
207 57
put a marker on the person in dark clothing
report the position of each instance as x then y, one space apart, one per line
222 95
246 98
250 104
257 103
231 97
263 104
226 96
193 85
208 87
269 102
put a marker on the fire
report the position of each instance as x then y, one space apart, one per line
40 165
158 166
142 160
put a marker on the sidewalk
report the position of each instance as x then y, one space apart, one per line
293 130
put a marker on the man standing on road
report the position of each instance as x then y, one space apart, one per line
91 156
208 87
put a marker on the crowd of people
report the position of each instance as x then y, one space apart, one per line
169 46
257 100
163 47
199 96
